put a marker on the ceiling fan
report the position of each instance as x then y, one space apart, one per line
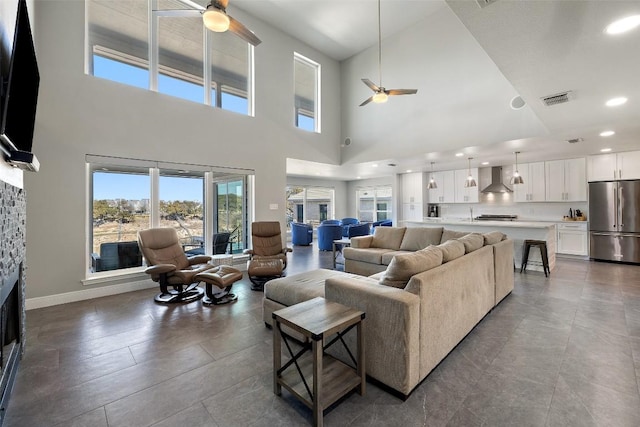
216 19
381 94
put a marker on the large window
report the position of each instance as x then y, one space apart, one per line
374 203
306 93
181 197
128 195
120 208
162 45
231 211
310 205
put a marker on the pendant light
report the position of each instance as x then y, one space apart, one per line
470 182
432 182
516 178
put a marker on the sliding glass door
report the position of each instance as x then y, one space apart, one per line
231 211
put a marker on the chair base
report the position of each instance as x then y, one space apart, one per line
257 283
192 293
220 298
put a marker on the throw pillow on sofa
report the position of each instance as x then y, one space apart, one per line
403 266
450 234
472 242
451 249
416 238
388 237
493 237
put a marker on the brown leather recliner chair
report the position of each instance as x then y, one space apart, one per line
178 275
268 256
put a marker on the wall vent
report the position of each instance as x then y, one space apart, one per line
485 3
558 98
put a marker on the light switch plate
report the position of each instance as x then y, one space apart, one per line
273 206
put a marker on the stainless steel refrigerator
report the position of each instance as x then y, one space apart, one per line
614 221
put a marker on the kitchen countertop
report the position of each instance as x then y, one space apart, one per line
506 224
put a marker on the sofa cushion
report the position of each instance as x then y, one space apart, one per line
387 257
370 255
402 267
451 249
450 234
416 238
388 237
300 287
493 237
472 242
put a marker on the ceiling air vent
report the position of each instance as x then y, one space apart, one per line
558 98
574 140
485 3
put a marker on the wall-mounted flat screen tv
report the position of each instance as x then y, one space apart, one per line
20 96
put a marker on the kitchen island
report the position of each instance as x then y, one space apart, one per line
518 231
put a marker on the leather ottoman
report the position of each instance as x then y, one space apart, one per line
262 270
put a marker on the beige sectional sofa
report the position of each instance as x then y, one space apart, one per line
419 308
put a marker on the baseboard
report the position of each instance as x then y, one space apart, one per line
85 294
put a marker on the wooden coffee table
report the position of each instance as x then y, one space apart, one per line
318 319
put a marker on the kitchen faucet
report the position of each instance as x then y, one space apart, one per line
471 212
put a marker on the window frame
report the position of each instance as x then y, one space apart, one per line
154 69
211 175
317 101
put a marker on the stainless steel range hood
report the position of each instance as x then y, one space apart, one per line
496 185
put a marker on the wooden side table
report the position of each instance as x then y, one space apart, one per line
330 378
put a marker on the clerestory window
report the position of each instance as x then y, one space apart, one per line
162 45
306 93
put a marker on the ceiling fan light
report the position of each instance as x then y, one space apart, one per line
380 98
215 20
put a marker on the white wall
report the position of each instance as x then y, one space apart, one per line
79 114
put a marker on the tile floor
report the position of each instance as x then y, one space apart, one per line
559 351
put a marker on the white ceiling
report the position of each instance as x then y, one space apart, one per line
535 48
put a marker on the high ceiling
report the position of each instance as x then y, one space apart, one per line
537 48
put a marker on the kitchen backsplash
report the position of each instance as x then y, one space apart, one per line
525 211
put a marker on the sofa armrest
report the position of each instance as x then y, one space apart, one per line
361 242
504 266
392 328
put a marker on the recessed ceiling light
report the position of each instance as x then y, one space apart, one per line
607 133
357 177
459 154
605 150
375 165
409 171
484 163
614 102
623 25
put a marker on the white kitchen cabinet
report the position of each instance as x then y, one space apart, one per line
533 188
445 193
465 194
412 212
566 180
413 187
628 165
573 238
607 167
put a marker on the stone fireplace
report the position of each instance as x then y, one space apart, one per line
12 286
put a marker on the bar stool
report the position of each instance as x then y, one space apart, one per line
543 254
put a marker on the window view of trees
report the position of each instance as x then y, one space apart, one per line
230 202
122 205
